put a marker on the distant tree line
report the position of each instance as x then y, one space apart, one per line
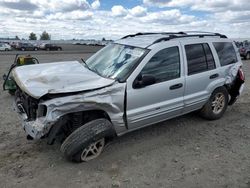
43 36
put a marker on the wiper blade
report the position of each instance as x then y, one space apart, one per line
85 63
93 70
97 72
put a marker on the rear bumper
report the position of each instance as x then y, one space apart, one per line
237 87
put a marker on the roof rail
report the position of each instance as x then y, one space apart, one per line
197 32
206 34
154 33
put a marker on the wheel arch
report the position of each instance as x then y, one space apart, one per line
75 120
216 84
226 86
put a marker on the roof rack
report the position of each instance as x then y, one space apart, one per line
173 36
200 32
154 33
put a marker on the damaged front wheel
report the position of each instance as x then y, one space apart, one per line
93 150
87 142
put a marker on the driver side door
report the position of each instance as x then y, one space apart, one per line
162 99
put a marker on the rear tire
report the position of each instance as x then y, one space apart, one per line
88 138
216 105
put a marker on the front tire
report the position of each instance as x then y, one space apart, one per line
216 105
87 142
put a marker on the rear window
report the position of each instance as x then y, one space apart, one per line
226 53
199 58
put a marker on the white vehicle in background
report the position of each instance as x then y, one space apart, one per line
5 47
42 46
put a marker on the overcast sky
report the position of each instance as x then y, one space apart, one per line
83 19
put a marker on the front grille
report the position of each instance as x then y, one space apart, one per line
29 104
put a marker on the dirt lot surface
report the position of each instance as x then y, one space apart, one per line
185 152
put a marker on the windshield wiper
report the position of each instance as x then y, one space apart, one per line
93 70
97 72
85 63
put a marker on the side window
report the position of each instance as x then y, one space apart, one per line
209 57
226 53
164 65
199 58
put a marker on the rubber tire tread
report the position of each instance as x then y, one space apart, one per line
82 137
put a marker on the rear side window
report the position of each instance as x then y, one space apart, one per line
226 53
199 58
164 65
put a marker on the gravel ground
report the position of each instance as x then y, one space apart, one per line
183 152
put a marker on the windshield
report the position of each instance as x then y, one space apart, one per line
115 61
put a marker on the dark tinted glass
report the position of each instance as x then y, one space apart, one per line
164 65
196 58
226 53
209 57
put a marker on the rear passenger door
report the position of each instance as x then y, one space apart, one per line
200 73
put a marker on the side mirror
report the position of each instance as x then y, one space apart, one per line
143 81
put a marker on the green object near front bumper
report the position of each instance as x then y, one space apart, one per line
10 84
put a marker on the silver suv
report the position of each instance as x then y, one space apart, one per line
137 81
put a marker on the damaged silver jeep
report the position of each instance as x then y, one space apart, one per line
137 81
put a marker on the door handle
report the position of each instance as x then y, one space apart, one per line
176 86
214 76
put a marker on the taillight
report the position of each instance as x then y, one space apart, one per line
241 74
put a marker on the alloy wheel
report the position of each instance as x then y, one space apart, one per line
218 103
93 150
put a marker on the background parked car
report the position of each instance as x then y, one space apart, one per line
4 47
244 48
245 51
50 47
26 47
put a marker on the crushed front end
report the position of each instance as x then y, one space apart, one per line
32 118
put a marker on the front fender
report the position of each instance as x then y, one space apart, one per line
109 100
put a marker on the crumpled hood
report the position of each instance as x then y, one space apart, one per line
59 77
